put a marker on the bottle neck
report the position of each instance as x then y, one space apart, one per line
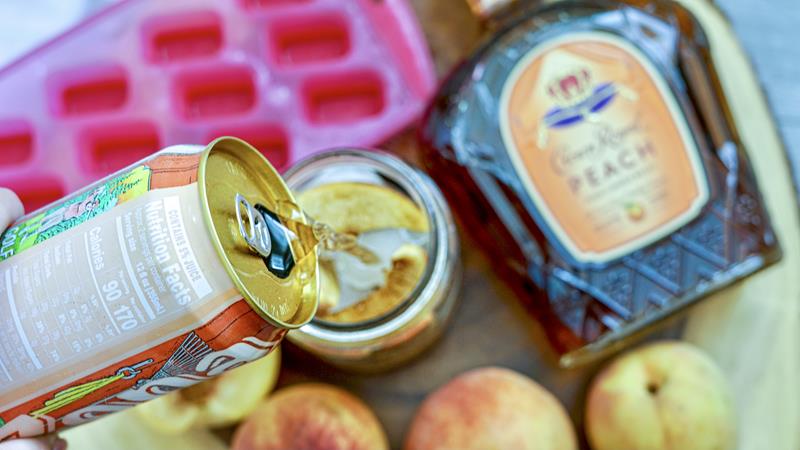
487 9
491 12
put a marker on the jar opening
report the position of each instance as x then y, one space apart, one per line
377 169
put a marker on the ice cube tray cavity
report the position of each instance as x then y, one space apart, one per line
292 77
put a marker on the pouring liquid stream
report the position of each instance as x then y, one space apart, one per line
286 231
323 234
284 236
360 263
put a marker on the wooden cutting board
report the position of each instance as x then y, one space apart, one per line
752 329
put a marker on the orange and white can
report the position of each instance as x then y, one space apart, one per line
155 278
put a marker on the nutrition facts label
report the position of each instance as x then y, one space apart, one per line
110 279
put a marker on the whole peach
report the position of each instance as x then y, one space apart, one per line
311 417
217 402
491 408
663 396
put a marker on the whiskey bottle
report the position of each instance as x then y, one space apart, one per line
589 147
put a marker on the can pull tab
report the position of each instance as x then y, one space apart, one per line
256 234
266 235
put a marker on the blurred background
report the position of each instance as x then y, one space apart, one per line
768 31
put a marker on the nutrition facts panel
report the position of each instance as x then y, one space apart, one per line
97 284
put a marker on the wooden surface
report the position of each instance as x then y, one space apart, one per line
751 329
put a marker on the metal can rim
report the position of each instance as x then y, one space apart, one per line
214 236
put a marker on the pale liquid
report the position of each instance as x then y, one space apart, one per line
311 232
361 263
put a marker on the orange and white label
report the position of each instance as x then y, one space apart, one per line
601 145
142 271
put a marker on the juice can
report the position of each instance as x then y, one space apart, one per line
155 278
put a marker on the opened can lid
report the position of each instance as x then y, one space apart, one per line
231 169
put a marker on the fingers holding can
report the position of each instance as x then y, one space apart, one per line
51 442
10 207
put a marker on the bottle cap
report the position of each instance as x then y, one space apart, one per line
484 9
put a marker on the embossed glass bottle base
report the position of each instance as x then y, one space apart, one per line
589 146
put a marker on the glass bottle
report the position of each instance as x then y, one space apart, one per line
590 147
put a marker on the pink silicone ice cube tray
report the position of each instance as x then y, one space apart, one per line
292 77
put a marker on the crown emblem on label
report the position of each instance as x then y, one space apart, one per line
571 88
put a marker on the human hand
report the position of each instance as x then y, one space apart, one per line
10 209
52 442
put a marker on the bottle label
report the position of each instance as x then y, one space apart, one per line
601 145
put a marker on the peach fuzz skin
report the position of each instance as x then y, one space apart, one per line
491 408
663 396
312 417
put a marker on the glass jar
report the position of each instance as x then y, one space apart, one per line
395 337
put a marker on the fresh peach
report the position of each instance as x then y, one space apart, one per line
664 396
217 402
311 417
127 431
491 408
